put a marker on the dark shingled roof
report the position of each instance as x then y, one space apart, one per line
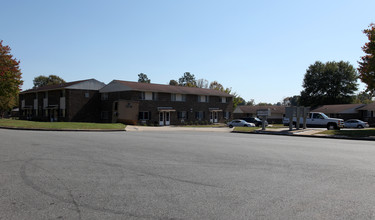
53 87
327 109
368 107
151 87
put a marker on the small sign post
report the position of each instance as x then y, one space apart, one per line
264 113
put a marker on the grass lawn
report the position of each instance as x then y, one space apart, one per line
276 126
351 133
204 126
246 129
58 125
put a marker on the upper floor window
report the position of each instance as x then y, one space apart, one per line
87 95
202 98
62 93
178 97
148 96
225 99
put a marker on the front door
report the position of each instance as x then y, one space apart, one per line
214 117
164 118
167 118
161 118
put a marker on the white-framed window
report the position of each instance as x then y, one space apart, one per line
149 96
144 115
202 98
227 115
178 97
104 96
199 115
182 115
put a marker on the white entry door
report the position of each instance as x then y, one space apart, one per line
167 118
161 118
216 116
164 118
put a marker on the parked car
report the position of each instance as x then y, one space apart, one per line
256 121
240 123
355 123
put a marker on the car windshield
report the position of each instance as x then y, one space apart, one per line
324 115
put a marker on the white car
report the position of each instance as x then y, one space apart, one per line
355 123
240 123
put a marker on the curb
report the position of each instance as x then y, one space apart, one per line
71 130
309 136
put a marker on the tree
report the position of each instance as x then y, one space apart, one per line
291 101
363 98
329 83
10 79
143 78
188 80
202 83
216 85
173 82
41 80
263 104
251 102
366 67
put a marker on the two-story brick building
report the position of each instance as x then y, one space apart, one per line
134 102
72 101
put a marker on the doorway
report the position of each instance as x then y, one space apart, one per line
164 118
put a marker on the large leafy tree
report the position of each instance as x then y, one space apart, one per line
188 80
41 80
173 82
10 79
216 85
366 67
143 78
329 83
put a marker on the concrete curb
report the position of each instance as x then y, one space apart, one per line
71 130
310 136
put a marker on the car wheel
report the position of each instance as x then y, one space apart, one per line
331 126
245 125
230 126
359 126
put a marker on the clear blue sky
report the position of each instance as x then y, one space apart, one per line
259 48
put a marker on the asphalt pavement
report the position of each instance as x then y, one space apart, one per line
183 175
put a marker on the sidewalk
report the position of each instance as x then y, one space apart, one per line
131 128
309 132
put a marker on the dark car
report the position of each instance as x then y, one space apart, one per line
256 121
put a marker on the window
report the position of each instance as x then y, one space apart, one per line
178 97
62 93
148 96
202 98
226 115
116 106
199 115
223 100
87 95
144 116
182 115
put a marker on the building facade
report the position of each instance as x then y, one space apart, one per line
156 104
73 101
